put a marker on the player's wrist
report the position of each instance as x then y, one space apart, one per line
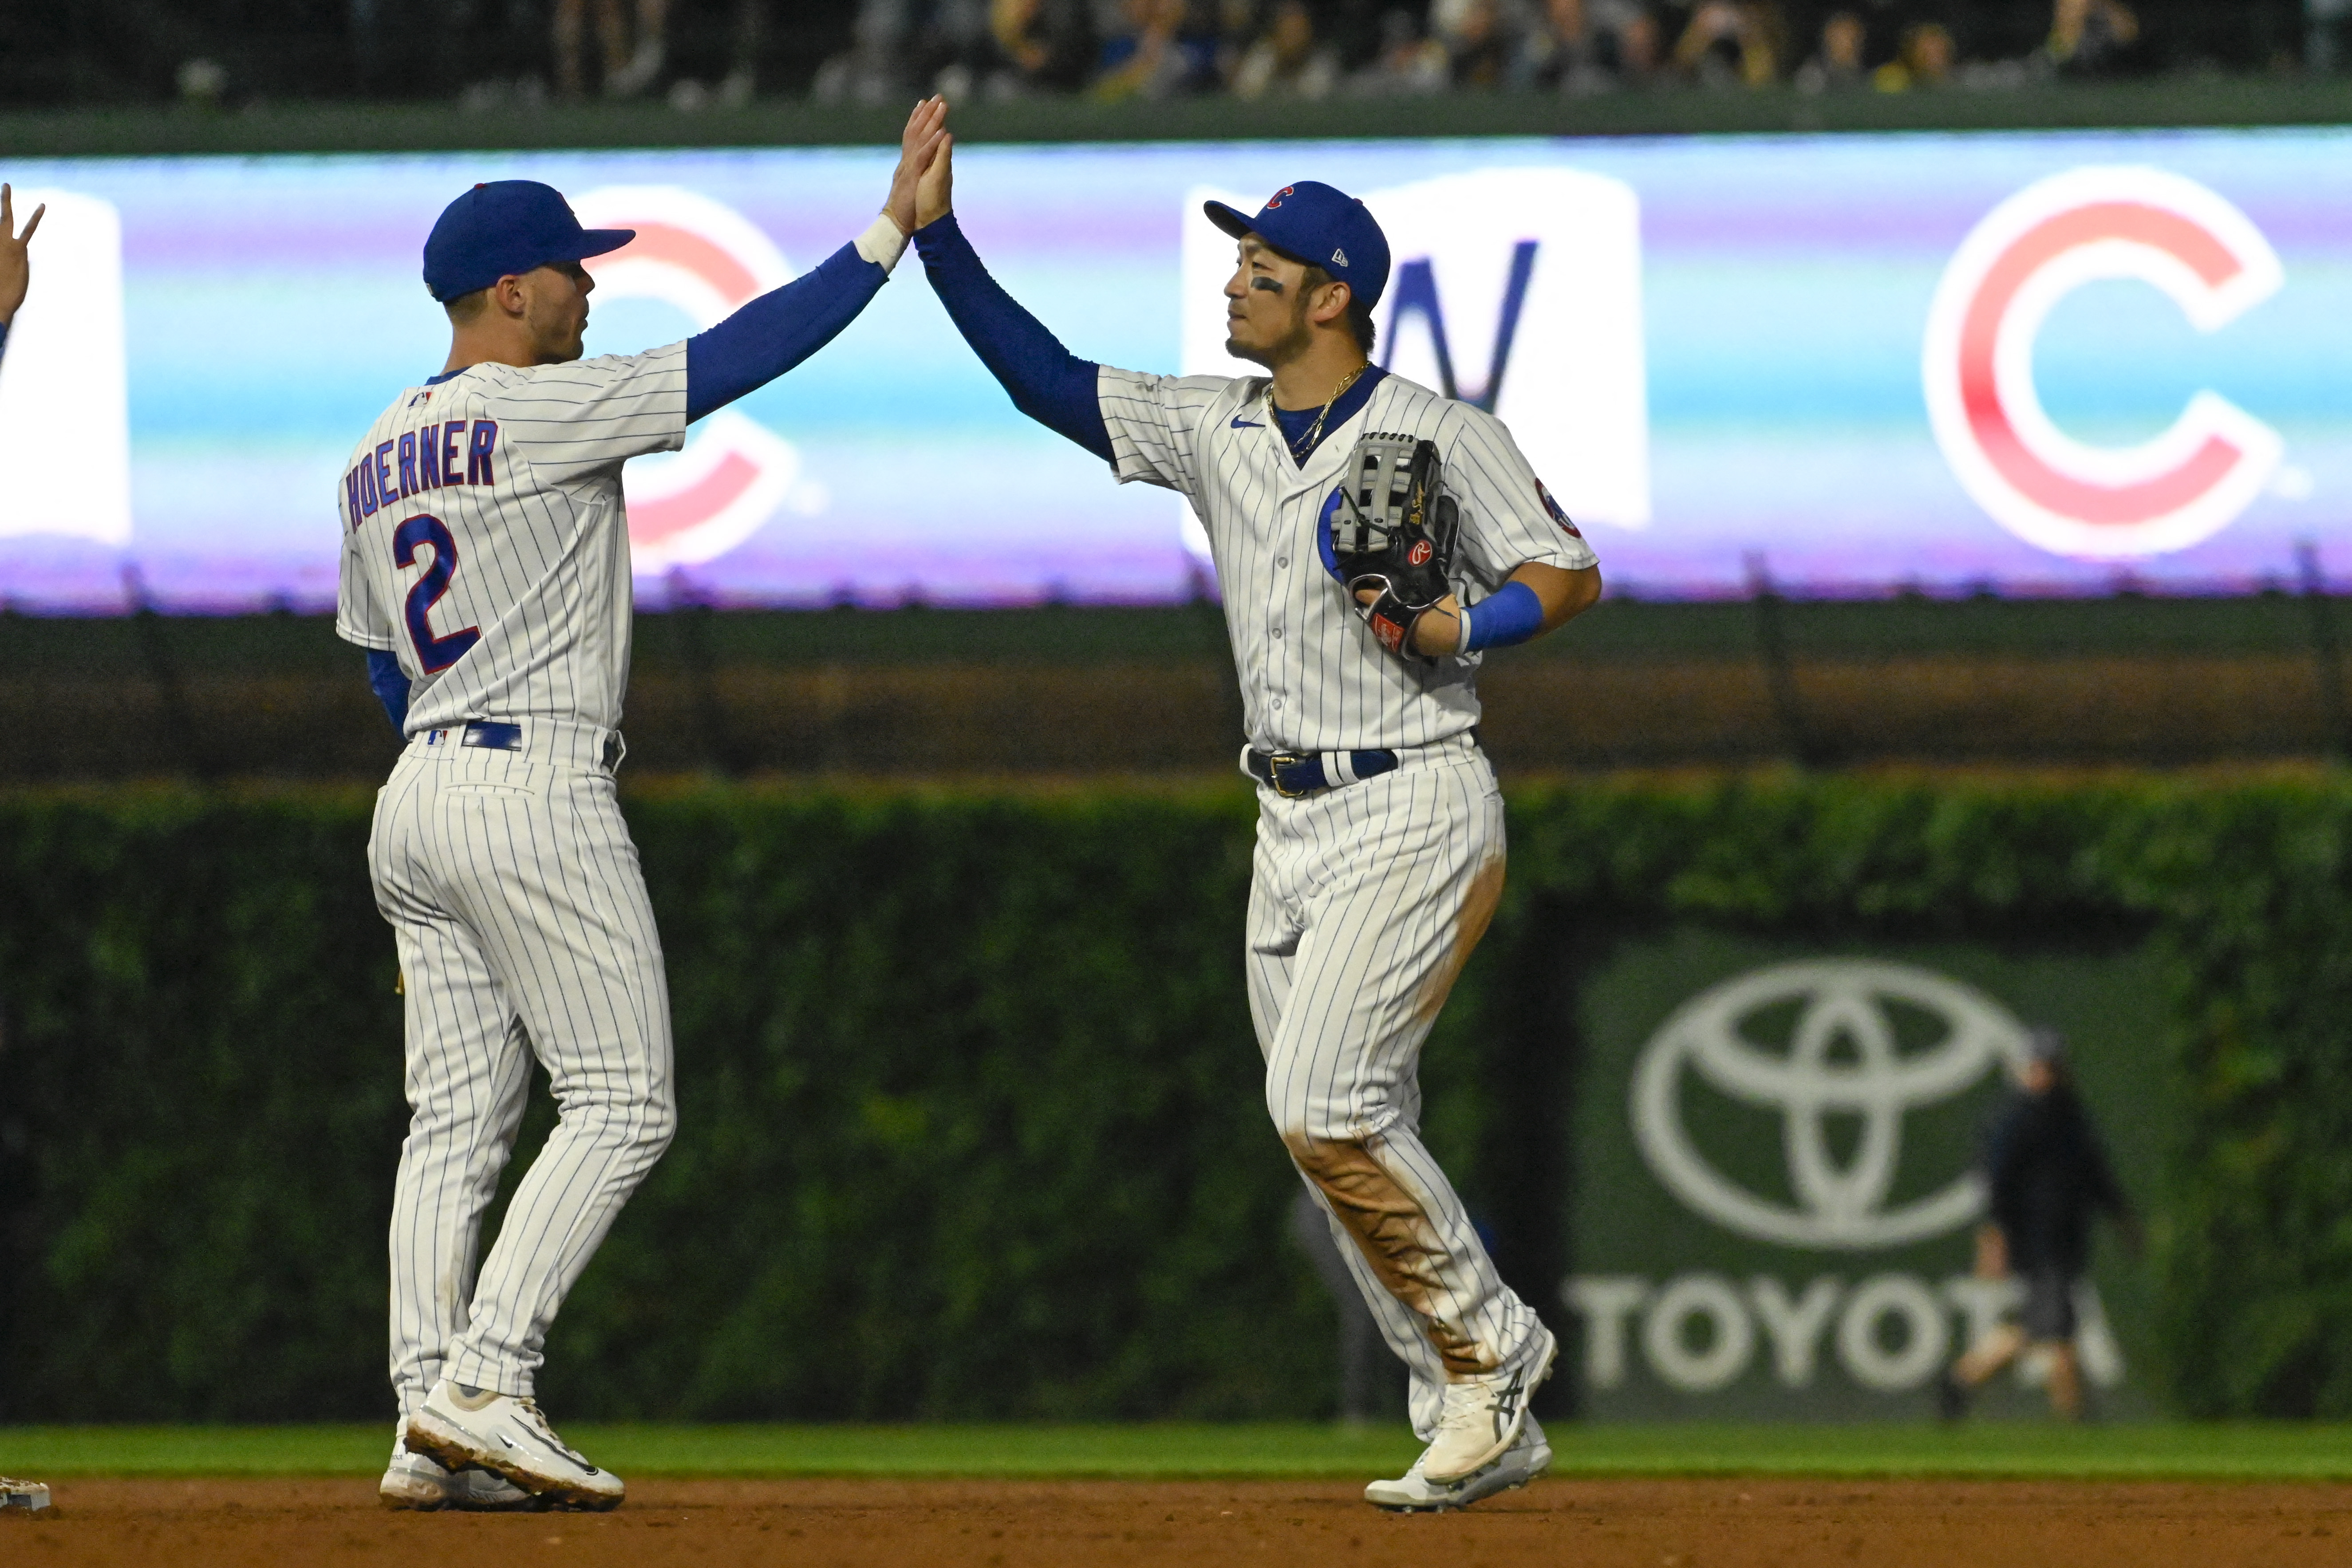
883 243
1513 615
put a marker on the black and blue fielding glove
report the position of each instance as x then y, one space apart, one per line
1389 530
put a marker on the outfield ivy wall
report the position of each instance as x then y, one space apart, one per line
972 1123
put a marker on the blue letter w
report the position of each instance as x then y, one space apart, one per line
1416 294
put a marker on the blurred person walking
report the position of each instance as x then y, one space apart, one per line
2046 1174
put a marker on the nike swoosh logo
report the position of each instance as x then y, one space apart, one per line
584 1469
1241 424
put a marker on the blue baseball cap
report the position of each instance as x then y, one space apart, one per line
504 227
1312 222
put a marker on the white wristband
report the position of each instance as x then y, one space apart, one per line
1462 637
883 242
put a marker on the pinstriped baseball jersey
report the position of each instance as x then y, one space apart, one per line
485 540
1314 677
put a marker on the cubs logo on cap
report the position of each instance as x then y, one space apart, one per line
1322 226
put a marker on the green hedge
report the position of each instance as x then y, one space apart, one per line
971 1120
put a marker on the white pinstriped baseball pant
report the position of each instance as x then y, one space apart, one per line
523 928
1365 903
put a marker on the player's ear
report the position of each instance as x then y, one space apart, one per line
1333 305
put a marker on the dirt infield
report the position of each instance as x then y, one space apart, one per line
911 1524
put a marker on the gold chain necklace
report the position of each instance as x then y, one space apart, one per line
1315 432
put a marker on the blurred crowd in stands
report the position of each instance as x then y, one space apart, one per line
493 53
1121 49
1117 49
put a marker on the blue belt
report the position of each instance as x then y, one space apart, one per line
1292 774
484 732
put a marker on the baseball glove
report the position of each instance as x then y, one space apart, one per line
1391 530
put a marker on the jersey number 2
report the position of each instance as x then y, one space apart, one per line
436 654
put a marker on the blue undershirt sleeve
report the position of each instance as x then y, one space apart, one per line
390 686
3 337
777 330
1048 382
1512 615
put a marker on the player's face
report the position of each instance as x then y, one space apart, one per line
1266 305
555 309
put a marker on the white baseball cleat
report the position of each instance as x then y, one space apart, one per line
1481 1417
412 1480
1415 1492
478 1429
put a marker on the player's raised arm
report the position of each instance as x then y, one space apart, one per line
780 329
16 260
1046 381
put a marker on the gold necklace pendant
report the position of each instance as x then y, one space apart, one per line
1315 431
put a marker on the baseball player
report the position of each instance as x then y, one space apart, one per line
1380 841
16 260
486 569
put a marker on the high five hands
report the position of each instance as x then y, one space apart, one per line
924 143
935 192
15 263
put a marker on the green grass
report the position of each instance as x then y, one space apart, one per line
2238 1452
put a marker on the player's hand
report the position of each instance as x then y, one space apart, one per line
926 135
935 192
16 264
1437 633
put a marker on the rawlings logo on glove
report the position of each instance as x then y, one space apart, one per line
1389 530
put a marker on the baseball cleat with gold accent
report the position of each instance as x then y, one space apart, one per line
466 1429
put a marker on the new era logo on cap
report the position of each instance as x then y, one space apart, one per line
1339 259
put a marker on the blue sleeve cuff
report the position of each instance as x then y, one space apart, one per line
390 686
1511 616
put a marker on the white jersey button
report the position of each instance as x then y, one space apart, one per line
1277 631
1283 561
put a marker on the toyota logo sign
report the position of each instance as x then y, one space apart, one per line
1842 1205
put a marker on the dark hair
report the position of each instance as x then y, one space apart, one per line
1360 315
